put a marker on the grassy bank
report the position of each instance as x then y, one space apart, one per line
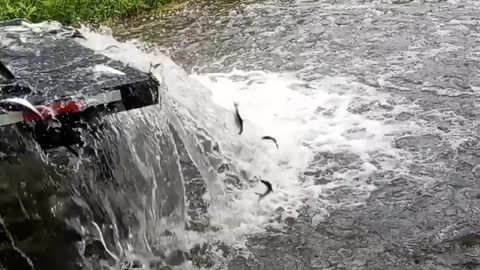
74 11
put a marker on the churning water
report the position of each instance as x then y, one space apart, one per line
328 141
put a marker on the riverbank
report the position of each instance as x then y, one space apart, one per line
70 12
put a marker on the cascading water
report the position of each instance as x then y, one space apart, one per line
373 104
173 184
142 198
126 197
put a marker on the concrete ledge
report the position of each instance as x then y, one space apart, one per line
51 70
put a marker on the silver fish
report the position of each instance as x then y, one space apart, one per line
111 47
271 139
24 103
4 72
238 119
269 189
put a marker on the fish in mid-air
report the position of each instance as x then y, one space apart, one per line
154 66
269 189
4 72
238 119
23 103
110 47
77 34
271 139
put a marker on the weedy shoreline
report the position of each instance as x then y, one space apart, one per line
73 12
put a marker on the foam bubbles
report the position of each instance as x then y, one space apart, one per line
332 124
334 133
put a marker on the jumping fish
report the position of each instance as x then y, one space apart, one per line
269 189
77 34
238 119
24 103
72 33
4 72
154 66
271 139
111 47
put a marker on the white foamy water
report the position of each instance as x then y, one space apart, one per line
336 115
335 128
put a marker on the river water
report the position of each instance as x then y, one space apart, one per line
373 105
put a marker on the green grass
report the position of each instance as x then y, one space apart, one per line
75 11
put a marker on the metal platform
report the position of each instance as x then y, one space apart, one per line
61 77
